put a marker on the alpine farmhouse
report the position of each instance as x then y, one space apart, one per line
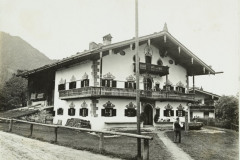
99 85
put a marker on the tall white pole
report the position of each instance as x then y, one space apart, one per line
137 80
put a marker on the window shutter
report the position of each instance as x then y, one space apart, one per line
114 84
108 83
86 112
183 113
183 90
126 112
82 83
74 84
87 82
126 85
135 85
172 112
130 85
114 112
135 112
70 85
103 112
171 88
158 111
164 87
54 112
69 111
103 82
81 112
176 112
165 112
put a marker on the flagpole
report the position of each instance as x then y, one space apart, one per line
137 80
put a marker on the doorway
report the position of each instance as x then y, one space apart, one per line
148 115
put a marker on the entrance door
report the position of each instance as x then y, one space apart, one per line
149 115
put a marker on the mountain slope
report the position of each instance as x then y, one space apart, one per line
15 53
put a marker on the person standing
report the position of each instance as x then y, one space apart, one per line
177 130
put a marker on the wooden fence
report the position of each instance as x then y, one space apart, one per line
145 154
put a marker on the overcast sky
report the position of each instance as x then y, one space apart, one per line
60 28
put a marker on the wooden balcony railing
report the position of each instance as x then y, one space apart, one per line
152 69
123 92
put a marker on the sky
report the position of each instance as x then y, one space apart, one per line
61 28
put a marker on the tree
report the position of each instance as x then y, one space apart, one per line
14 93
227 109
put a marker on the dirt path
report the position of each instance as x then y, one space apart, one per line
178 153
14 147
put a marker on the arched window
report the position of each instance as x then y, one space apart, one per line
62 85
159 62
71 110
108 80
72 83
83 111
85 80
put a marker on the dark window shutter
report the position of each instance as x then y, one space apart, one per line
81 112
86 112
126 112
176 112
114 84
54 112
135 86
183 113
126 85
82 83
183 90
114 112
171 88
103 82
103 112
165 112
74 84
86 82
69 111
70 85
158 111
172 113
135 112
164 87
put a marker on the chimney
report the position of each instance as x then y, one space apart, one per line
92 45
107 39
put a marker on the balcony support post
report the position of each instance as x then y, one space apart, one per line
193 84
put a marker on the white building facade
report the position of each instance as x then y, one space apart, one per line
99 85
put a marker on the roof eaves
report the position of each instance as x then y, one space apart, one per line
190 53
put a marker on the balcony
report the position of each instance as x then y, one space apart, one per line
123 93
152 69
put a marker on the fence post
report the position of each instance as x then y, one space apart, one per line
56 128
101 142
146 149
10 125
31 130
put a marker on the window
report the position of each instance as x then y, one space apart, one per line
168 88
109 83
72 85
108 112
157 87
60 111
83 112
131 85
61 87
71 111
180 113
159 62
168 113
148 59
130 112
158 111
206 114
180 89
85 83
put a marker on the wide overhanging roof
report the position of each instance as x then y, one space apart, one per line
163 40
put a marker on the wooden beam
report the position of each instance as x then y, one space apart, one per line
179 49
149 42
165 38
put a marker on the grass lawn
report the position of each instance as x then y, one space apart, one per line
210 144
121 147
